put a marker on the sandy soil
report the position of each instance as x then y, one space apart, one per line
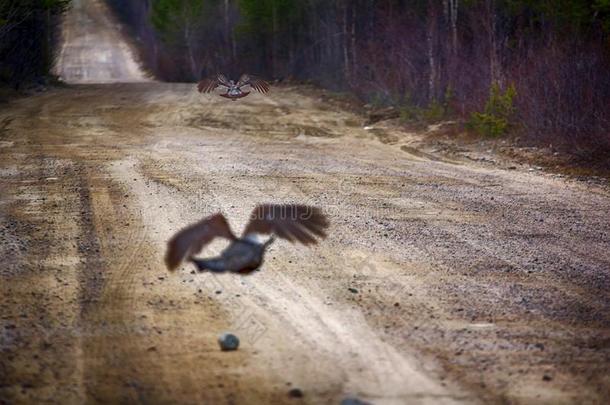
443 279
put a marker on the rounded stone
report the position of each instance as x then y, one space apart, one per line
296 393
228 341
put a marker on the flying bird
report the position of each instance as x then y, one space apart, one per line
295 223
232 90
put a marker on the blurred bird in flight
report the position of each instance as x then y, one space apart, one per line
295 223
232 90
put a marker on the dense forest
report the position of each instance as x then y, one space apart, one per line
27 39
537 67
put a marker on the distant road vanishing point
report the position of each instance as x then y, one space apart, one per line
93 50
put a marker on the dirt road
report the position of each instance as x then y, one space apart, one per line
442 280
471 282
93 50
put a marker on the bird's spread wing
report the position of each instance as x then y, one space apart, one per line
300 223
244 80
223 81
257 84
193 238
209 84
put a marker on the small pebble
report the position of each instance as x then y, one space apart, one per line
295 393
228 342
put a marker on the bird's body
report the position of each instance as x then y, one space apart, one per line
243 255
232 90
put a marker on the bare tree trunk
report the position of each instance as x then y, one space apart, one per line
313 29
345 44
453 14
491 28
453 76
233 44
353 38
431 44
48 46
191 55
189 48
229 38
494 66
274 41
226 21
186 21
